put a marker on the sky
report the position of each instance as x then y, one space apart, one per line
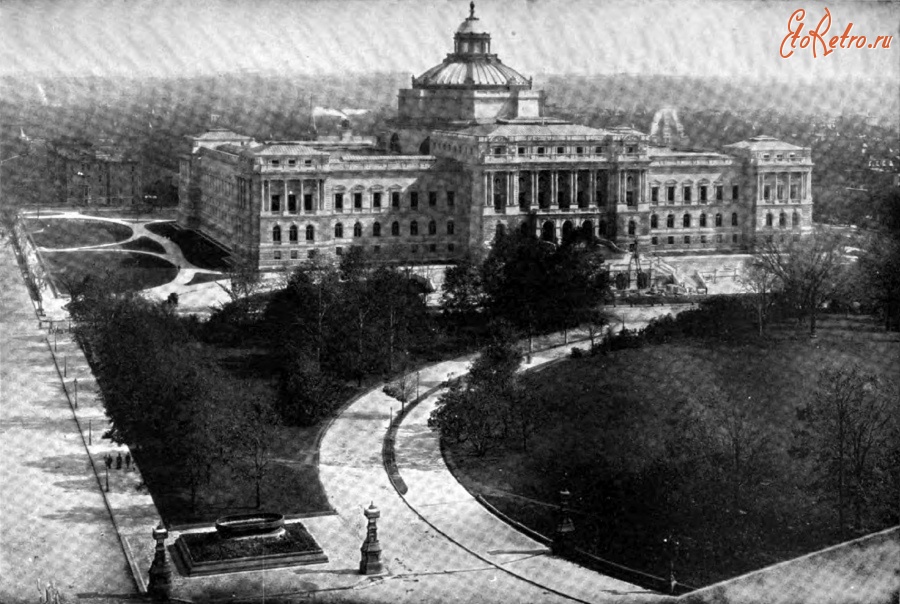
536 37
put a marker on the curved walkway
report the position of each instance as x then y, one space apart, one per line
438 526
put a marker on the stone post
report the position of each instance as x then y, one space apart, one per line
370 561
160 585
562 539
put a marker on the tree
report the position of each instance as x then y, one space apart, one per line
256 422
879 268
761 282
462 292
306 394
244 280
809 270
402 389
596 320
847 427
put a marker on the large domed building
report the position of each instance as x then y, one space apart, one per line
471 155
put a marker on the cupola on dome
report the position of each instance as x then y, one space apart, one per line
472 65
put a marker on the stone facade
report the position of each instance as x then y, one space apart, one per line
472 154
86 175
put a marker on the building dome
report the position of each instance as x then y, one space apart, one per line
472 65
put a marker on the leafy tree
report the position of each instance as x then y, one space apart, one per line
761 282
462 292
306 394
879 270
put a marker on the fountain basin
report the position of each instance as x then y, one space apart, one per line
250 525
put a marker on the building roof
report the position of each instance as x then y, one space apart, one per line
765 143
479 71
666 152
472 26
284 148
221 134
548 128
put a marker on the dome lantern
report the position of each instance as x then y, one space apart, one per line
471 38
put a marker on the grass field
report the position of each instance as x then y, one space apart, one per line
68 233
197 250
614 436
133 271
144 244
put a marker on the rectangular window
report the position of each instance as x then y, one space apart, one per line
432 248
293 254
376 199
671 240
720 193
780 191
275 162
395 199
560 150
357 201
292 203
735 190
414 248
718 237
654 195
451 199
541 150
795 191
687 239
670 194
629 150
307 162
767 192
276 203
276 254
686 194
521 150
312 253
338 201
451 247
414 200
734 237
598 149
654 240
579 150
499 150
339 251
702 238
704 194
432 198
308 202
292 162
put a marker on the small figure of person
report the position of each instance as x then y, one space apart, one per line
108 461
128 460
119 461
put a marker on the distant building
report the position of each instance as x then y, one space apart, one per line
84 174
472 154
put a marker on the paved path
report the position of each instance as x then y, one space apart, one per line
54 525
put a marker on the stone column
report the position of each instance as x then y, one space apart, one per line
284 197
592 188
370 560
573 188
554 189
513 199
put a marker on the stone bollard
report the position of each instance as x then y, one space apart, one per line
562 539
160 586
370 561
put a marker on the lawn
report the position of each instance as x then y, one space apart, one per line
144 244
133 271
617 437
197 250
68 233
291 487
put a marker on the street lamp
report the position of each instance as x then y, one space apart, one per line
86 185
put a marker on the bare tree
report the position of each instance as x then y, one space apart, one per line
808 269
761 283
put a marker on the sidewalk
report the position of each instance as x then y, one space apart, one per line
55 525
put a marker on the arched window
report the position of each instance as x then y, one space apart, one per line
413 228
670 221
718 220
432 228
451 227
395 229
310 233
734 219
587 227
632 227
276 234
795 219
782 220
357 230
338 230
376 229
500 229
769 219
686 221
702 220
654 221
292 233
548 231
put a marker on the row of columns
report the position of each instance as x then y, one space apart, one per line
560 180
270 187
786 178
